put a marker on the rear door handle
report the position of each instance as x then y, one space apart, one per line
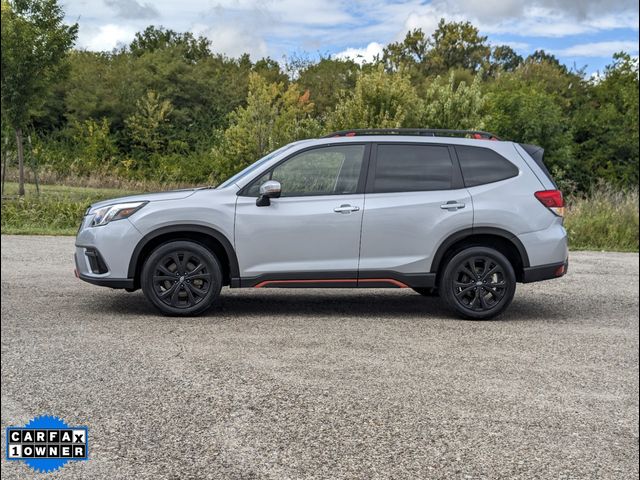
346 209
452 205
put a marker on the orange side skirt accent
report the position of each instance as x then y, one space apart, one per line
336 280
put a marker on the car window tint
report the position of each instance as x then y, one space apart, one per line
483 165
411 168
321 171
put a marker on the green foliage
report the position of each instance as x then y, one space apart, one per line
166 108
274 116
326 80
528 115
379 100
409 54
34 44
504 58
148 127
458 107
604 219
158 38
453 45
33 215
95 147
57 211
606 126
457 45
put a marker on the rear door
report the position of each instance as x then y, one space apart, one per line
414 199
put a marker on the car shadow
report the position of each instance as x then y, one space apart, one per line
314 303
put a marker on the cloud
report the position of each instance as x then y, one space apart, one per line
107 37
355 29
513 44
598 49
542 18
233 40
361 55
132 9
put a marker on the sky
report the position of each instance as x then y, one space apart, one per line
581 33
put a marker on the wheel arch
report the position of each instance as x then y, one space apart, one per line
216 241
502 240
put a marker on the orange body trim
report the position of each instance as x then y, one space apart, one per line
335 280
397 283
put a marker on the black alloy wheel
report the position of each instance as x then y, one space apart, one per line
478 283
181 278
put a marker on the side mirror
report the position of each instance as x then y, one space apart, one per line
268 190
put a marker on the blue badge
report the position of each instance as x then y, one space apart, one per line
47 443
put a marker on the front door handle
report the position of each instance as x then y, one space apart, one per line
346 209
452 205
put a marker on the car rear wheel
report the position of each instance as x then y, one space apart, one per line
181 278
478 283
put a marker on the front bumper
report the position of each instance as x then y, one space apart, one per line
102 254
126 283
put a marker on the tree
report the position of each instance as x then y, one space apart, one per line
606 126
528 115
95 147
270 70
410 53
504 58
457 45
35 41
540 56
156 38
325 81
273 116
447 105
379 100
148 126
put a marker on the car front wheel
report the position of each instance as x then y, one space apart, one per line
479 283
181 278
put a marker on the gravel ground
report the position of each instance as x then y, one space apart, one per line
326 383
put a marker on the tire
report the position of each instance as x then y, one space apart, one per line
427 291
181 278
478 283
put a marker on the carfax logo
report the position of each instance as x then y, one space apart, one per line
46 443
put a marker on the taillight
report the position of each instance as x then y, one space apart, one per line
552 199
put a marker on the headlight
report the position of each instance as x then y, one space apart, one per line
110 213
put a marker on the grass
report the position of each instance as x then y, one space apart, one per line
605 219
57 211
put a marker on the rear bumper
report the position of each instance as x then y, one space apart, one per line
545 272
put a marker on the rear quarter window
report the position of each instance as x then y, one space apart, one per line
483 165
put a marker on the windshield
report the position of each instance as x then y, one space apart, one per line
243 173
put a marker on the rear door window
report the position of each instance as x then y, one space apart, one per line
412 168
483 165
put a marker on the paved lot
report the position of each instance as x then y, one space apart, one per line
326 383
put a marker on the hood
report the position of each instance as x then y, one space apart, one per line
149 197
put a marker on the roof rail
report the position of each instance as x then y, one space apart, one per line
428 132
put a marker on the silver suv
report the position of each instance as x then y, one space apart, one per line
459 214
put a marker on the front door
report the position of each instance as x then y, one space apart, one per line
312 232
